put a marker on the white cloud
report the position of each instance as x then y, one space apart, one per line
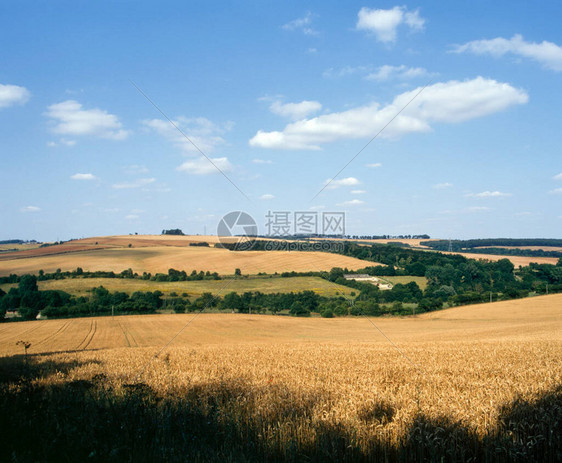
301 24
358 192
267 197
488 194
295 111
353 202
479 209
373 165
62 141
68 118
442 186
558 177
136 184
13 94
401 72
348 181
205 134
556 191
444 102
131 217
30 209
83 177
384 23
201 166
262 161
546 53
345 71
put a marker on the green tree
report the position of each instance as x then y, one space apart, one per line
28 284
299 310
232 301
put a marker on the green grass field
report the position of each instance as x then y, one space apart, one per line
81 286
421 281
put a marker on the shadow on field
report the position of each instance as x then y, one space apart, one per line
91 420
20 368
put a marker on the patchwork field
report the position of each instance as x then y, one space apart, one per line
160 258
473 383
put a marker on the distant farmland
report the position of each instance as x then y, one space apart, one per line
158 254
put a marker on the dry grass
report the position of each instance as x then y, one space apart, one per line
19 247
479 382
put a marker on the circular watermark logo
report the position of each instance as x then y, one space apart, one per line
237 230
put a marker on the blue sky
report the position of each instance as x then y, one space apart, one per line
281 96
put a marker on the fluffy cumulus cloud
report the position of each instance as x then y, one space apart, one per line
443 102
402 72
558 177
488 194
202 166
348 181
70 118
83 177
193 133
384 23
295 111
373 165
267 197
556 191
12 95
548 54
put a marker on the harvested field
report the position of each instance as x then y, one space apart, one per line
161 258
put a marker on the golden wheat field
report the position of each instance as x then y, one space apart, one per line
284 388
